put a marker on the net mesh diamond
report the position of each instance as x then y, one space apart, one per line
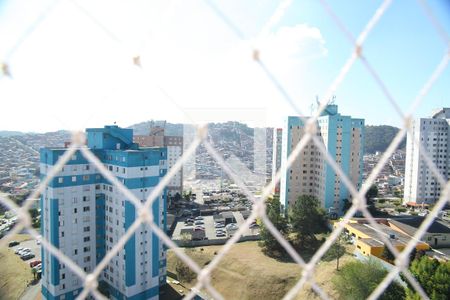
258 210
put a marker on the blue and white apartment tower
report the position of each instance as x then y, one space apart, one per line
310 174
84 215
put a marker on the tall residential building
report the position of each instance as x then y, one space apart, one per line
84 215
420 184
310 174
174 145
276 158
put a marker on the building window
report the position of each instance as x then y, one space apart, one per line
60 180
74 178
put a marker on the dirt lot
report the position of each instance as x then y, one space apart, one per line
246 273
15 274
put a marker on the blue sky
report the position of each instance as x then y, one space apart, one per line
71 73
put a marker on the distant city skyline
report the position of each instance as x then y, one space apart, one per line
75 69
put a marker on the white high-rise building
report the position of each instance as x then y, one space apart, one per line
421 185
84 216
276 158
343 138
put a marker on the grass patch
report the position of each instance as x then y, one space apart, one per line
247 273
14 275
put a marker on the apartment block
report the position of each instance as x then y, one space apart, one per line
276 158
174 145
343 138
84 216
421 186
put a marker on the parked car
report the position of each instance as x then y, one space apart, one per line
27 256
38 267
35 263
23 251
221 234
219 225
199 222
232 226
198 218
13 243
18 249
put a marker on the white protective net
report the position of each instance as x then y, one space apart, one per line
258 211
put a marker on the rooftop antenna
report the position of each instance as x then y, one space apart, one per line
333 99
312 104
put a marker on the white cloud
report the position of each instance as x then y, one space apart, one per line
299 43
69 73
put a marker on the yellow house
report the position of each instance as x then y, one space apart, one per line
369 242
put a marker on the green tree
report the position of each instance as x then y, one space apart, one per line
412 255
346 205
357 280
336 251
34 272
372 192
268 242
398 193
177 197
36 223
33 213
184 273
433 276
307 218
387 254
187 196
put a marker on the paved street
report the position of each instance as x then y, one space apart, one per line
32 292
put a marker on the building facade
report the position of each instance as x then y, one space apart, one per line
343 138
433 133
84 216
174 145
276 158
